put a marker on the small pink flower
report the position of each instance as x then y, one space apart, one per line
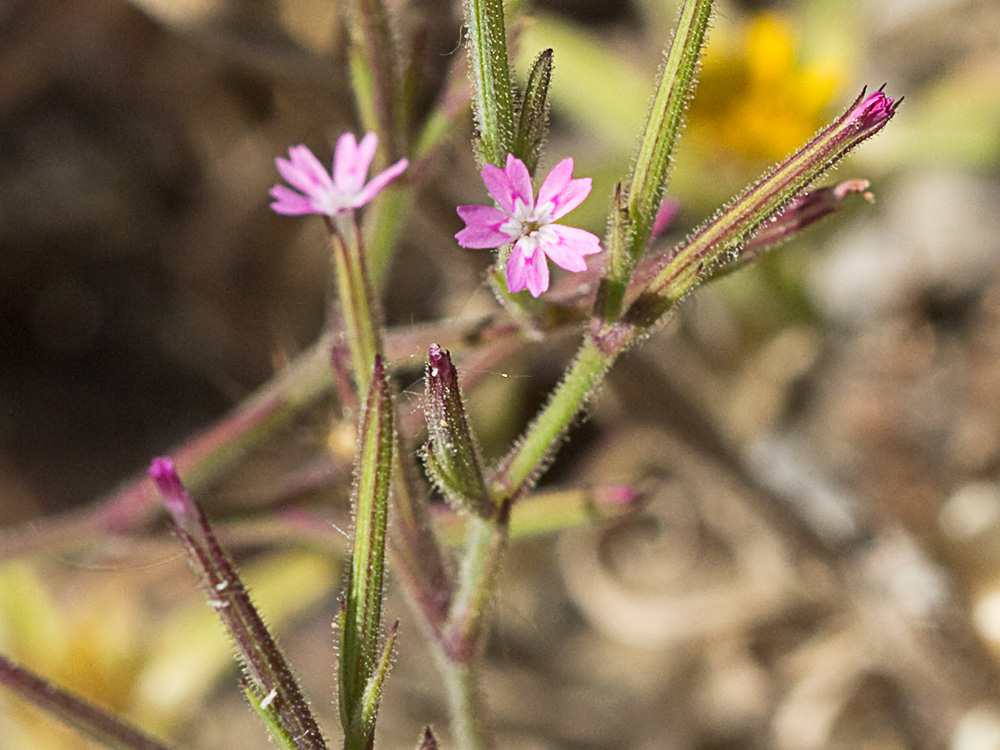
321 193
530 224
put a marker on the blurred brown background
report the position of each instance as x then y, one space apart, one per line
820 435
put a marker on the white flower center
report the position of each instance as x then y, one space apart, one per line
529 227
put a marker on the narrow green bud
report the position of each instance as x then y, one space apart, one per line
267 677
533 120
676 273
451 455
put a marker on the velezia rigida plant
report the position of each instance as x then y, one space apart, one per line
450 573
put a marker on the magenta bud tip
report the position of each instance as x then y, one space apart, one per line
620 494
164 474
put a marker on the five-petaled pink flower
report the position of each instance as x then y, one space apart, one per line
529 223
321 193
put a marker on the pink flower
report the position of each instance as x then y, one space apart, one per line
318 192
530 224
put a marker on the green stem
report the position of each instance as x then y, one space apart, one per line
465 632
362 319
382 222
492 102
523 465
372 59
465 700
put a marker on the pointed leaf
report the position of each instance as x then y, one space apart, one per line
533 122
373 690
359 633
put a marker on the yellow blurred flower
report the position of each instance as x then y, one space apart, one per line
756 100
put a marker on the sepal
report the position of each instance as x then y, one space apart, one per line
451 455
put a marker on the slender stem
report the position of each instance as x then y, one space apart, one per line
466 630
381 226
522 466
87 718
362 320
208 455
465 700
372 58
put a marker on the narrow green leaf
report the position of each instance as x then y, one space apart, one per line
373 690
533 119
359 632
663 123
492 101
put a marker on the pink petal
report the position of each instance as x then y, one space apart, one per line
351 161
290 203
665 215
557 179
571 247
531 272
509 185
520 181
305 172
482 229
379 181
561 192
498 186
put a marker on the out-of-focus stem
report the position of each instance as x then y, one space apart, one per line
85 717
486 541
373 69
209 454
465 700
362 319
381 227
